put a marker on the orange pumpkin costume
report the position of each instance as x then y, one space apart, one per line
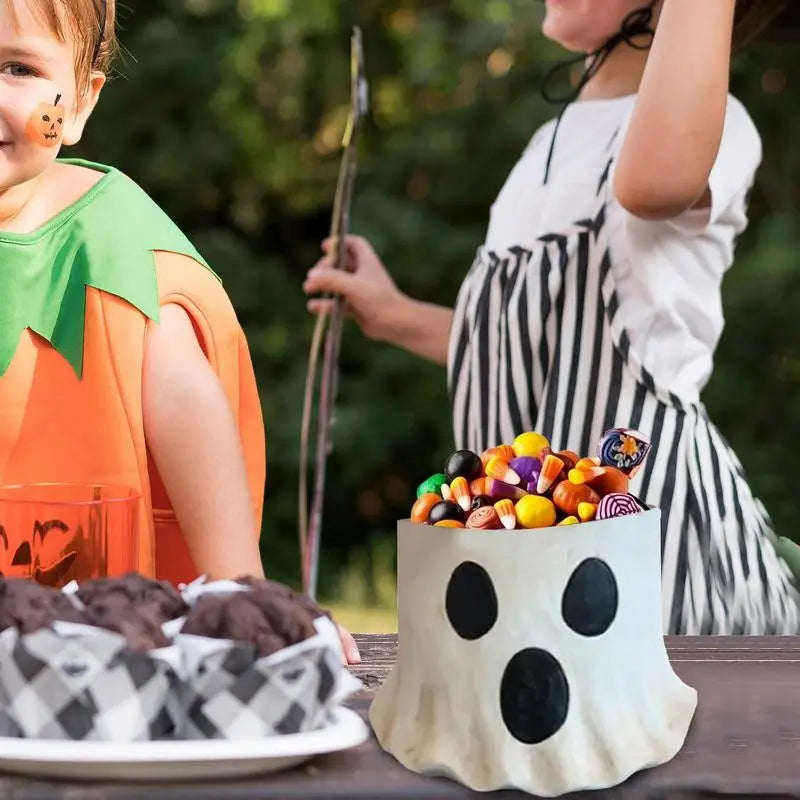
78 295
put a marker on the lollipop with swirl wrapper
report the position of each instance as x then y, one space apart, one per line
624 449
619 505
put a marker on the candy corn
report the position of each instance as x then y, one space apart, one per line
505 510
581 475
499 469
459 489
587 511
569 521
551 469
504 451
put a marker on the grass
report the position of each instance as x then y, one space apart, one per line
365 601
364 619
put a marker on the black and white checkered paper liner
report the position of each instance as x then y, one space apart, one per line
80 682
231 693
7 725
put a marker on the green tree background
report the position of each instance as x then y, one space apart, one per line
231 115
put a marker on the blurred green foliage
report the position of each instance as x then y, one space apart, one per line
231 115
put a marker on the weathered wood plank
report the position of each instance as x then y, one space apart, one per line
745 740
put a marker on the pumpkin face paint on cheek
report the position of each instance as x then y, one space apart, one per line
46 124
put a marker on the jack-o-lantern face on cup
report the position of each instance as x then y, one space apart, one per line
46 124
57 532
46 555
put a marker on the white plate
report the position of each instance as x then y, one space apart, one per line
177 760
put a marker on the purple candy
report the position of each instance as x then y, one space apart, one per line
531 487
527 467
500 490
618 505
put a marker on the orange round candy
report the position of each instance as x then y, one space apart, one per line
478 487
612 481
569 457
422 507
448 523
567 496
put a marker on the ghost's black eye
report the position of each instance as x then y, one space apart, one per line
471 602
589 604
46 118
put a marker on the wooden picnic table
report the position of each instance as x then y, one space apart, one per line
744 740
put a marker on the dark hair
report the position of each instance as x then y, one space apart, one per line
753 17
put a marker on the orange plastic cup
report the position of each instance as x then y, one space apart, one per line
54 533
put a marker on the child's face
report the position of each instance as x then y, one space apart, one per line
39 104
585 25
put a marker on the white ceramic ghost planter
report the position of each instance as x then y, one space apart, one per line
532 659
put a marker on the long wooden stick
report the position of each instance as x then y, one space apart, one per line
310 528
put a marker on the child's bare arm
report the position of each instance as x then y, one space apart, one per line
193 438
676 128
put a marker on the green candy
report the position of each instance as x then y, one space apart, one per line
433 485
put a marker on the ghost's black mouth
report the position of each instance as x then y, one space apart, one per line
51 136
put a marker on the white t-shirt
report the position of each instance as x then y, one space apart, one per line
668 274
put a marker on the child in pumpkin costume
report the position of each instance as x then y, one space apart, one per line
121 358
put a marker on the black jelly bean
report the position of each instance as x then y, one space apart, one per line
463 464
481 500
445 510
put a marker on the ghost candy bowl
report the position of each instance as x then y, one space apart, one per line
532 659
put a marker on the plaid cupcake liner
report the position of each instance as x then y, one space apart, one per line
229 692
80 682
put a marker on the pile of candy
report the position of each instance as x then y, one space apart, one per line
528 485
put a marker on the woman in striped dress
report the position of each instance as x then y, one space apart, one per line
594 301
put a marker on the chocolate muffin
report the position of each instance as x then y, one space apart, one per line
282 591
139 624
28 606
269 617
233 616
162 598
